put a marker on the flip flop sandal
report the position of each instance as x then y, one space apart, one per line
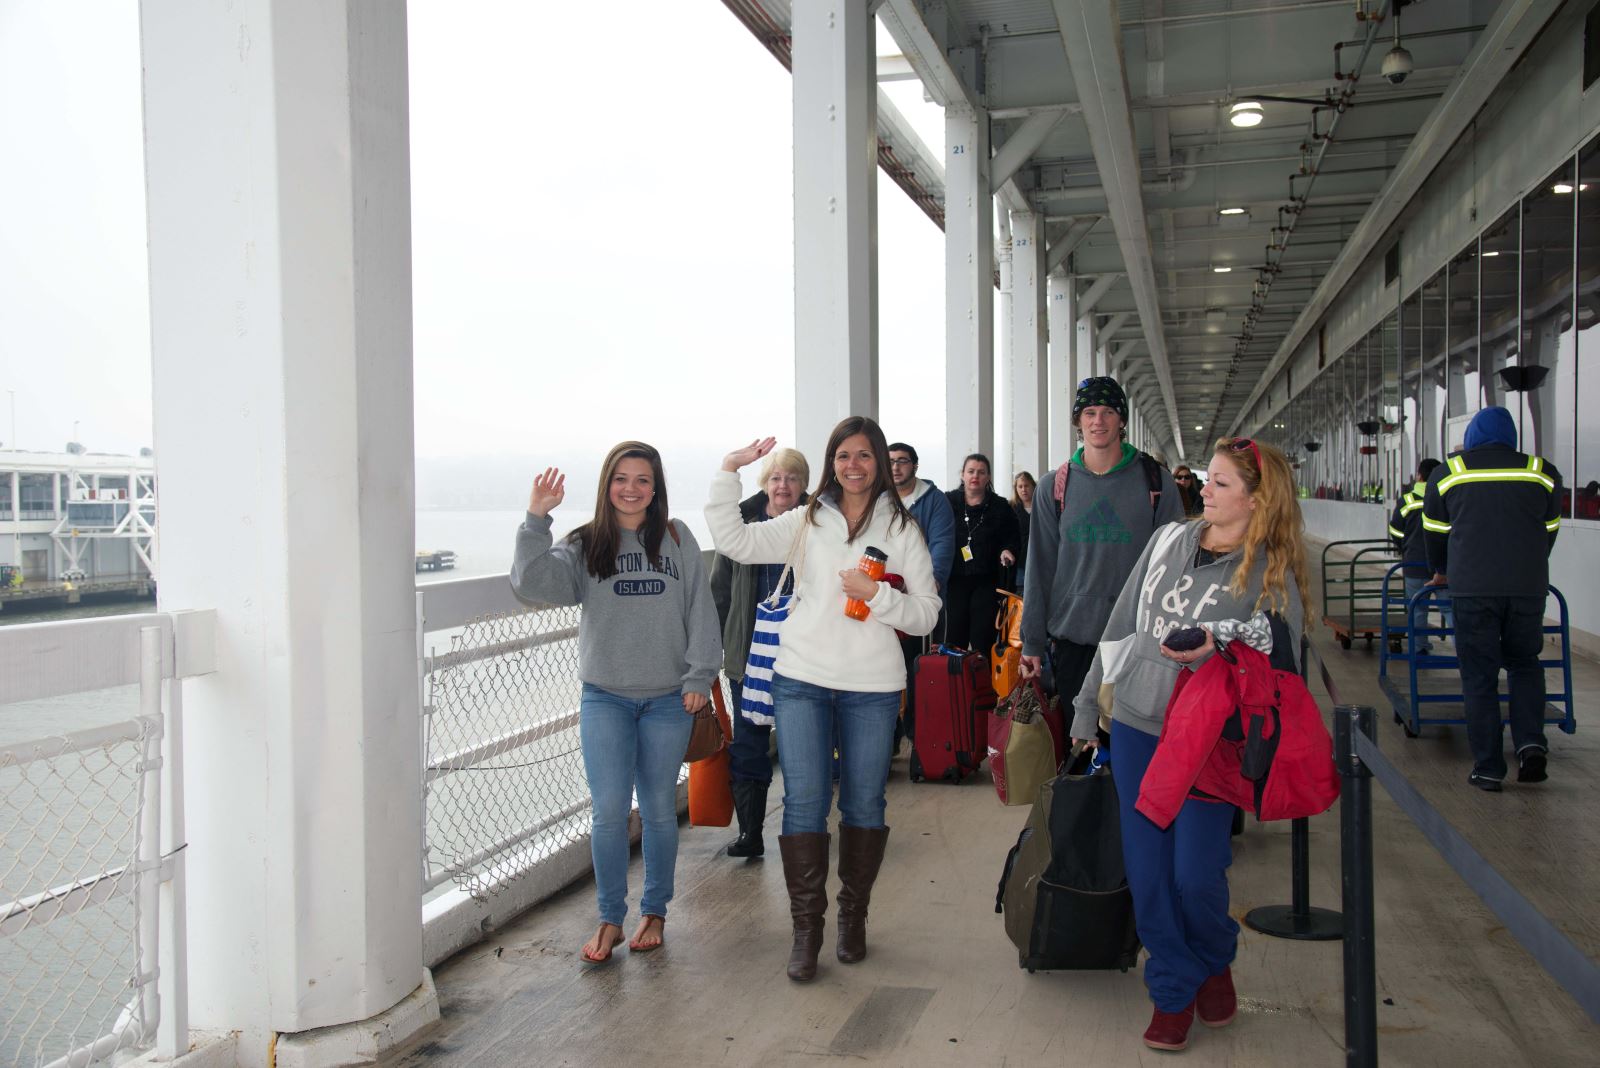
583 950
635 947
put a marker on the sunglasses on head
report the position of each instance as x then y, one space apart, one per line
1241 444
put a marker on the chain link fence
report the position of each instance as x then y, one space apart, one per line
503 774
73 841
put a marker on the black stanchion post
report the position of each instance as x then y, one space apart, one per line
1355 848
1298 920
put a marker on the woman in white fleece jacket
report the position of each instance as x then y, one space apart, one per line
834 673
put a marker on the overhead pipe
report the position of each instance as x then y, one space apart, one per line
1356 73
1165 185
1297 206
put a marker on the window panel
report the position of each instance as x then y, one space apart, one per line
1465 395
1585 478
1500 249
1541 391
1432 393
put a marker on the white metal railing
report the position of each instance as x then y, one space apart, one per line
92 935
506 803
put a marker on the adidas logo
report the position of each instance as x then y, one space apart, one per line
1101 526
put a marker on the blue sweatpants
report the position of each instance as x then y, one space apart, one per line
1179 879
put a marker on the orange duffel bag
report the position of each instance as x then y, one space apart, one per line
711 779
1005 665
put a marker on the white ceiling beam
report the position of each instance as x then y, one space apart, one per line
940 79
1099 288
1113 324
895 69
1063 245
1020 147
1093 43
1510 32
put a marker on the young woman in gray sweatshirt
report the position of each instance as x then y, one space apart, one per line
648 649
1246 554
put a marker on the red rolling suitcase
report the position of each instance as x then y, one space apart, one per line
955 699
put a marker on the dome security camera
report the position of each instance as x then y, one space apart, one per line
1397 64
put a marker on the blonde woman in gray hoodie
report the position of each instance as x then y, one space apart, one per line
1246 554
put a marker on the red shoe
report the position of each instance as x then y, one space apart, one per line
1216 1003
1169 1030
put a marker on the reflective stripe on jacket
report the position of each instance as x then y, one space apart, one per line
1405 527
1489 518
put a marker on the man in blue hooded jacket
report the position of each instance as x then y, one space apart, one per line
1489 517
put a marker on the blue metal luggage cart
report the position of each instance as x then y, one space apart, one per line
1433 680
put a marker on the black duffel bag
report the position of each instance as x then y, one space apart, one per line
1064 890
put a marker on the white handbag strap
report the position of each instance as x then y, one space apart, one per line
792 564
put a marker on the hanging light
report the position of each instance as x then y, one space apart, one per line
1246 113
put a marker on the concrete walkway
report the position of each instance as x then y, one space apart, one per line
942 986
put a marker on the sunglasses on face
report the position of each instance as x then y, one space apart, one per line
1183 478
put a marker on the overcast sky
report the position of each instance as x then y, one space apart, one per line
603 219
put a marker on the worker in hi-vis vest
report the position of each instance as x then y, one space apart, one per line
1489 519
1405 530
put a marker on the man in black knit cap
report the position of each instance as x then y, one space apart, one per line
1091 521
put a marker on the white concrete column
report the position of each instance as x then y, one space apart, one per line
1063 368
835 217
1001 455
968 288
277 174
1087 348
1027 362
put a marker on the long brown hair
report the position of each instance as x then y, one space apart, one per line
601 537
1276 527
828 485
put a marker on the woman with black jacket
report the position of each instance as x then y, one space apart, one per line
987 539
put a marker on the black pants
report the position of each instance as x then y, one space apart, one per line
1071 662
1491 633
749 752
972 606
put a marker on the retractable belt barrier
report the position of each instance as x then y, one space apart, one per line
1360 761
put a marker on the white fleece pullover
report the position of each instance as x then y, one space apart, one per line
820 644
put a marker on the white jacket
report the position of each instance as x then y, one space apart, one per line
820 644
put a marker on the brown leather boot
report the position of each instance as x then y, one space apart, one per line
860 856
805 869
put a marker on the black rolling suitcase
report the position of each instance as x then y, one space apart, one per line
1064 890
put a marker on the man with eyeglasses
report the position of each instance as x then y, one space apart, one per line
931 510
1091 521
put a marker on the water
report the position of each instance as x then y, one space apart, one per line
98 942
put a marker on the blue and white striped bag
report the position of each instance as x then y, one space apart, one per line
755 700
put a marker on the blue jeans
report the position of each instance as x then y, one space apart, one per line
1179 879
1419 614
749 755
633 744
809 718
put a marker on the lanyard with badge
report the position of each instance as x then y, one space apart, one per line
966 518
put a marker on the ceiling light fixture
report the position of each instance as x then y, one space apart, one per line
1564 188
1246 113
1220 269
1488 255
1240 211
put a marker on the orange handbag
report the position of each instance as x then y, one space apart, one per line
711 779
1005 665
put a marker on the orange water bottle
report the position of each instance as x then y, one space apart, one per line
873 564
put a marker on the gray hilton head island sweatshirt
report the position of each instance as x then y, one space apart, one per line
648 630
1162 595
